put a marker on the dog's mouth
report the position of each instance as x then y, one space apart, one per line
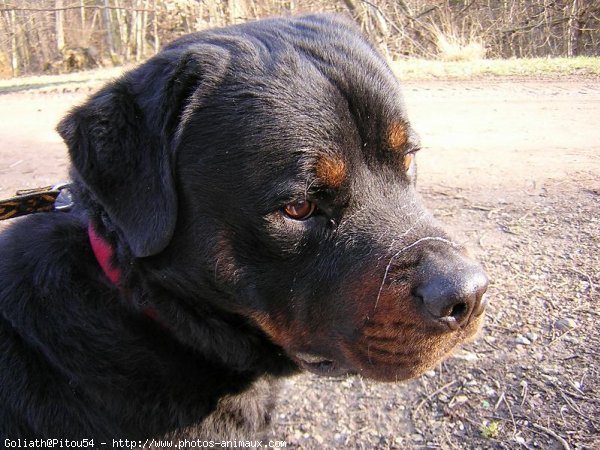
386 359
320 365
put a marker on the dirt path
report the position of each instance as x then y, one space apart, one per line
514 169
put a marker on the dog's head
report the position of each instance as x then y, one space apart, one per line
267 171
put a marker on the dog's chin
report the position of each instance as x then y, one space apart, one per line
379 371
385 371
395 371
422 361
391 369
322 366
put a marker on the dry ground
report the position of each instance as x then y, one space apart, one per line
513 167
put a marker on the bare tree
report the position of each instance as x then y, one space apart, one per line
14 54
155 27
60 32
31 31
109 28
574 28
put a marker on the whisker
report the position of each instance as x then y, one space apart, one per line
387 269
412 227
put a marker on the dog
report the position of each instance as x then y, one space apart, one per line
244 209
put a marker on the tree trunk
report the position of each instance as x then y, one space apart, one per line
155 28
108 27
14 59
574 32
137 29
132 38
143 27
60 31
237 11
123 31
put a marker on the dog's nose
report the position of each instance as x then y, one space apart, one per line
454 295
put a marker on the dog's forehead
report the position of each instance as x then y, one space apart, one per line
329 88
310 95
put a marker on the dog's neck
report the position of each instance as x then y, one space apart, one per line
185 325
104 254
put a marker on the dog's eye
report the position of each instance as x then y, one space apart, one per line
408 160
300 210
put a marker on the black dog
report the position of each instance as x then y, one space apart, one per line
245 208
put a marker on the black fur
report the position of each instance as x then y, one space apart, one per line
184 165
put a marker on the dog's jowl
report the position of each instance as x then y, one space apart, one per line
244 208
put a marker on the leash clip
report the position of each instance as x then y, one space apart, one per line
64 199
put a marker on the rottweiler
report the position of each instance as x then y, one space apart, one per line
244 209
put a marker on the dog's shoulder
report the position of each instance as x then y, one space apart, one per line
71 351
43 257
39 253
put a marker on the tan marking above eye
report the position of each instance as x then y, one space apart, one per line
408 160
397 137
331 171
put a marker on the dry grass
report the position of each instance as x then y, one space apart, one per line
455 46
68 81
453 50
466 68
462 61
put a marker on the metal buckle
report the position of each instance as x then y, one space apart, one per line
64 200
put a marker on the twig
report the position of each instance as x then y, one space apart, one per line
499 401
430 396
480 241
549 301
581 397
564 443
524 391
480 208
531 27
378 9
354 433
494 211
574 407
587 311
452 195
512 417
448 439
589 279
557 338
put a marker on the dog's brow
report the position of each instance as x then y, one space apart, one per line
397 136
331 171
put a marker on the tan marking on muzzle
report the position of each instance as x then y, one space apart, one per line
281 334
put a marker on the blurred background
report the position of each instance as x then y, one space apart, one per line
57 36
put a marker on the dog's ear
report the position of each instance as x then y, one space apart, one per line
122 144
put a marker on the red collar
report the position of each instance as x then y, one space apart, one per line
104 255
